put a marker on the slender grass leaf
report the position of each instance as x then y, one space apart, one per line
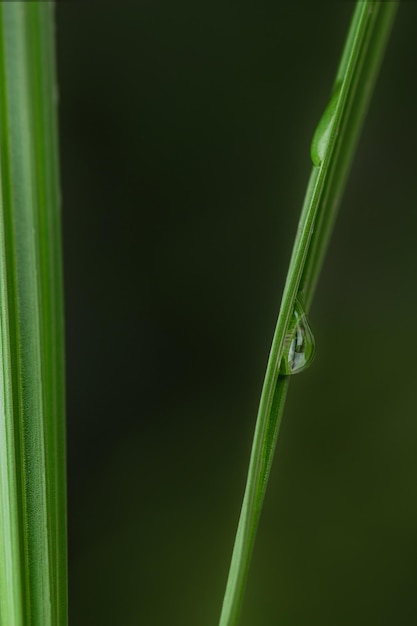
332 151
32 429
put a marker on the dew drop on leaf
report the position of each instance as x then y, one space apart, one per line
299 343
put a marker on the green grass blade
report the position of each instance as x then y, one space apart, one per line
33 587
358 96
332 152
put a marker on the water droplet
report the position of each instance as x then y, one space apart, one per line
299 344
323 131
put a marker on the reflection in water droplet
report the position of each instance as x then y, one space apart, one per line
299 344
323 131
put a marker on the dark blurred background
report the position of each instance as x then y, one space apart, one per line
185 130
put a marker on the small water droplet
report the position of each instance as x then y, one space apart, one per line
299 344
323 130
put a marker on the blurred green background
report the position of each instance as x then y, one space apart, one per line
185 131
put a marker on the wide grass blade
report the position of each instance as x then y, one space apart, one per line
332 150
33 587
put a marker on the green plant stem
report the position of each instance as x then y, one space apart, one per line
33 588
361 59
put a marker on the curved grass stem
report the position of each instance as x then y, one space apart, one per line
332 152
